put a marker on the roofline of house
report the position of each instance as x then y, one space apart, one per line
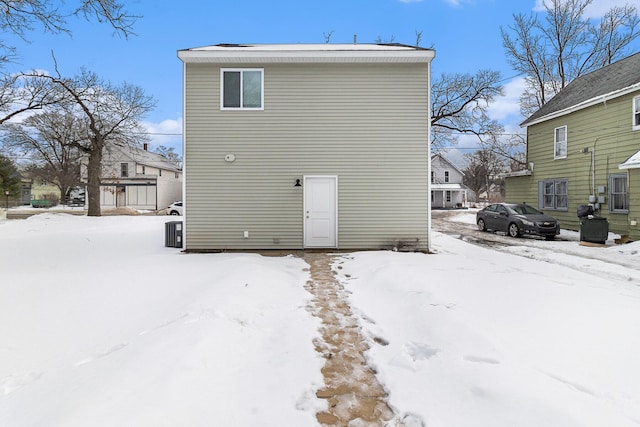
448 161
584 104
166 167
307 53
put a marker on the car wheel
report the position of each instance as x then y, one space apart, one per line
549 237
174 213
481 225
514 230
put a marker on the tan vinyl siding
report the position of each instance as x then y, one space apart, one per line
367 124
605 129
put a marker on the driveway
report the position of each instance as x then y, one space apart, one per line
461 224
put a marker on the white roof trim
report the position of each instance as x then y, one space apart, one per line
588 103
449 186
525 172
632 162
306 53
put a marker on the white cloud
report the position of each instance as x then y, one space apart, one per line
507 107
597 9
167 132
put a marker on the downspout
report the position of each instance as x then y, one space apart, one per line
429 158
185 205
593 161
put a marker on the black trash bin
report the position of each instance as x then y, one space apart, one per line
173 234
594 229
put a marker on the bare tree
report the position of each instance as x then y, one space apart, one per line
390 40
169 153
460 104
50 140
511 148
22 17
105 115
418 37
564 44
19 93
482 171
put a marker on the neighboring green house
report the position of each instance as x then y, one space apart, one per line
582 149
306 146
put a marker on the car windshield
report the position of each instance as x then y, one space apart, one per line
524 210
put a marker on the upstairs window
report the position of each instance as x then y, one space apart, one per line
242 89
636 113
124 170
446 177
560 142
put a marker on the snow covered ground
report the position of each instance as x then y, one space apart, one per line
101 325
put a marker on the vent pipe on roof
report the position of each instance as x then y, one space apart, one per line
355 39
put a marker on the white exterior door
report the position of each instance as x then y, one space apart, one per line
320 211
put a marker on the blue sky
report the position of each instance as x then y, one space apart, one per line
465 34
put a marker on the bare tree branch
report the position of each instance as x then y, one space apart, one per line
105 115
562 45
460 105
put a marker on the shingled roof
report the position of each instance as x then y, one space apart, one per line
607 82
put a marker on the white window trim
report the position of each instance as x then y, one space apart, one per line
555 142
447 176
542 194
612 209
634 113
241 108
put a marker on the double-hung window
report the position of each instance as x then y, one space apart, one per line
554 194
636 113
242 89
124 170
560 142
446 176
618 193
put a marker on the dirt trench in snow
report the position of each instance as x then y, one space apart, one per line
353 393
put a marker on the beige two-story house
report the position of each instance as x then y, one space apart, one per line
582 149
306 146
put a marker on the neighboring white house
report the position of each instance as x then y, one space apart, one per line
447 189
306 146
137 178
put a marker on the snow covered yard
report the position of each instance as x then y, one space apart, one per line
102 325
